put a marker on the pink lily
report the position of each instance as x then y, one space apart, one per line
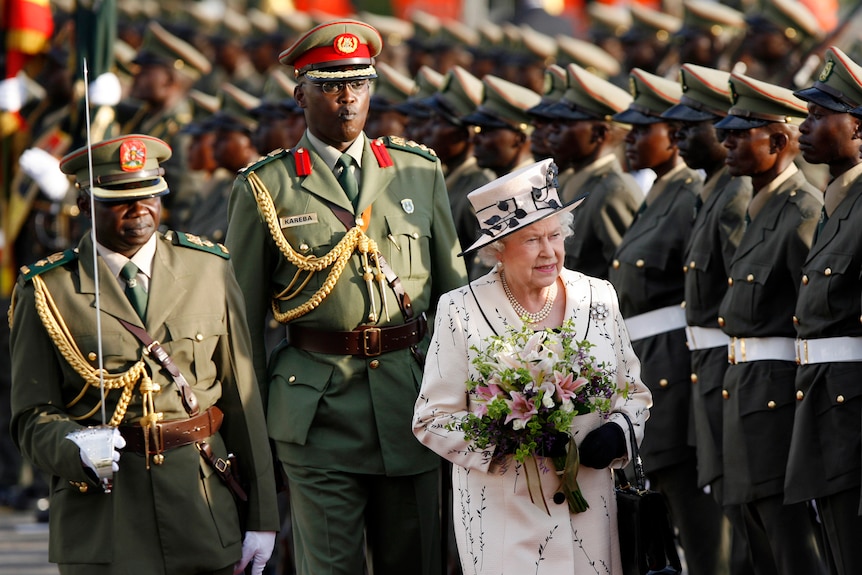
522 409
567 386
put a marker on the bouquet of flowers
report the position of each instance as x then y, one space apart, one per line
531 386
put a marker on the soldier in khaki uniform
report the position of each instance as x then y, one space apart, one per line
584 141
159 106
647 272
174 421
450 137
827 426
756 312
350 241
718 226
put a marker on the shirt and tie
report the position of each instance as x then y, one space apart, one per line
133 274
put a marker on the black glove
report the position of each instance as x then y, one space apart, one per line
602 445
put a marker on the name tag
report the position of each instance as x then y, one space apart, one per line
300 220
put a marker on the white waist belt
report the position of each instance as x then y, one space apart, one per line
705 337
654 322
828 350
742 349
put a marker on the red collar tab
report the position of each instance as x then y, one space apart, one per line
303 161
384 160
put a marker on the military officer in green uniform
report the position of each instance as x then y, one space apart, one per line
647 273
827 426
761 132
718 225
584 142
349 241
178 387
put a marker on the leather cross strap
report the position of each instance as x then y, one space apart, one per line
404 304
157 352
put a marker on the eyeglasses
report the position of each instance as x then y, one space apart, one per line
331 88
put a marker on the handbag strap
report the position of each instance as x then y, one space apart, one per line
637 463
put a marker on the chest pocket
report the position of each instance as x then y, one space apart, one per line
193 342
701 284
408 249
830 287
643 274
748 289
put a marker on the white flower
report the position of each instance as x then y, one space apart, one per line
518 424
548 400
568 406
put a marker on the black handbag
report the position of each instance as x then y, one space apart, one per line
647 545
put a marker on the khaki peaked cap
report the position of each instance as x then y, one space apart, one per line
652 94
504 105
839 85
335 50
705 95
757 103
589 97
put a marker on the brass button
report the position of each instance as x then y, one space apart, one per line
730 282
827 272
771 404
685 269
691 265
616 264
662 382
750 278
725 394
291 379
721 322
799 395
92 356
694 378
303 247
415 235
795 320
374 363
82 487
199 337
805 280
273 323
793 193
639 263
682 305
840 399
158 459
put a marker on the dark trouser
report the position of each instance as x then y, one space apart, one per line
842 526
695 514
782 538
341 518
101 569
741 562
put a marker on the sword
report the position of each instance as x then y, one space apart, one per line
96 441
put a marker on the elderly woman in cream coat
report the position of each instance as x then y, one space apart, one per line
498 529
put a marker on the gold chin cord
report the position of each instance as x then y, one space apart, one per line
354 240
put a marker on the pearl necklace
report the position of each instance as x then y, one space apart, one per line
538 316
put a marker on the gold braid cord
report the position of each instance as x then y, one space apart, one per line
354 240
62 338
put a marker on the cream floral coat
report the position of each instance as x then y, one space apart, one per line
498 529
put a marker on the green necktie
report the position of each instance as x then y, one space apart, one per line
134 290
347 179
821 223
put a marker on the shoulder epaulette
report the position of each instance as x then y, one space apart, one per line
264 160
196 242
399 143
45 264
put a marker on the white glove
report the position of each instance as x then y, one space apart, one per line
92 440
257 547
44 169
105 90
13 93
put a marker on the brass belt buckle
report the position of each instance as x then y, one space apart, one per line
372 344
731 351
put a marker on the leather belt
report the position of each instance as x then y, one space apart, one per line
365 341
745 349
828 350
654 322
174 433
705 337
